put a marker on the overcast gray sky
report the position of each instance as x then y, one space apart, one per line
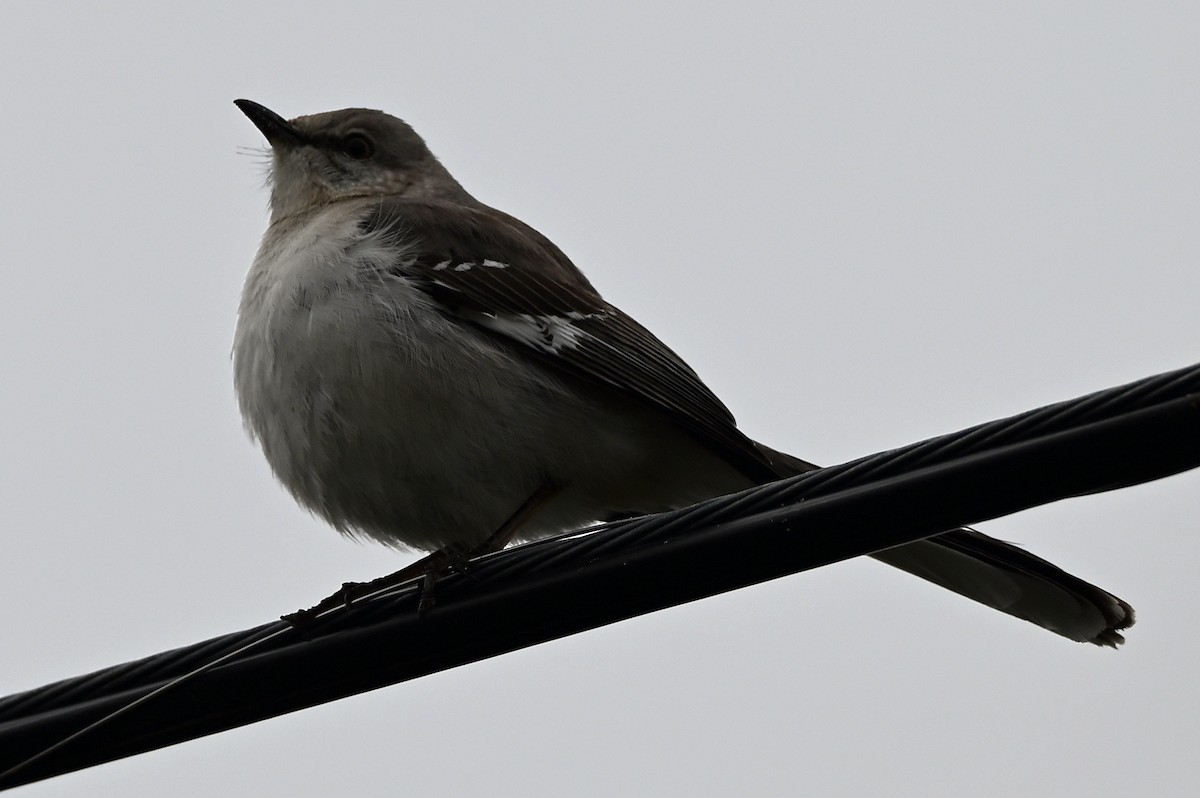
862 223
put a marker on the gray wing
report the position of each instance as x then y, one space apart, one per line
498 274
494 272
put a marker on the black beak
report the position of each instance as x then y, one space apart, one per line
278 130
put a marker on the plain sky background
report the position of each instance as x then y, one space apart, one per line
863 224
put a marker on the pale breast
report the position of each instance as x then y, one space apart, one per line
392 419
375 410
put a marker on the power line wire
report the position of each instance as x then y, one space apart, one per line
545 590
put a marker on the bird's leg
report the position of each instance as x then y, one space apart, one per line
353 591
508 530
458 560
428 568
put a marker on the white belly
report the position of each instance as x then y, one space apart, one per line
392 420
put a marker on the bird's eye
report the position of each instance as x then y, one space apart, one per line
358 146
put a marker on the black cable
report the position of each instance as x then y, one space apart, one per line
541 591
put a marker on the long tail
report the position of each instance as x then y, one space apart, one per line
1005 577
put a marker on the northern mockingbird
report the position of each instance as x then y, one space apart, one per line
430 372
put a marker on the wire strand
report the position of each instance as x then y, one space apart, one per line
540 591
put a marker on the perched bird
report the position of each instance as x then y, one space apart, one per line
427 371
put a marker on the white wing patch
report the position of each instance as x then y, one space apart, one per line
467 265
548 333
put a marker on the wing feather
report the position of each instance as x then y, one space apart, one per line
503 277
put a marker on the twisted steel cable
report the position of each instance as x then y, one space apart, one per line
543 590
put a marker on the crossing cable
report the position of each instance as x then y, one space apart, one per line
541 591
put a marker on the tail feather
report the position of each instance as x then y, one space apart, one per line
1002 576
1014 581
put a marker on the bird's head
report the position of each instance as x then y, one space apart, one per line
337 155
